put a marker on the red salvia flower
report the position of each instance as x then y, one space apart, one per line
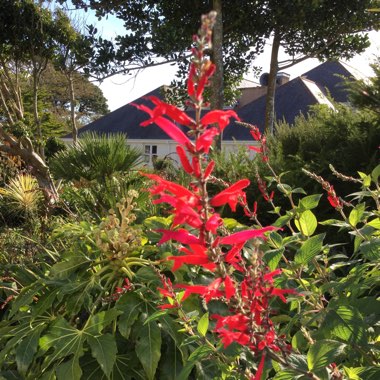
231 195
222 118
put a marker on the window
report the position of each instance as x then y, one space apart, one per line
150 153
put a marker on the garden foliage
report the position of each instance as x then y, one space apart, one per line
188 294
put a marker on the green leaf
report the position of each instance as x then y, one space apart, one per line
27 348
276 239
371 249
323 352
273 257
156 315
196 356
345 323
69 370
104 350
309 202
203 324
25 297
375 173
284 188
375 223
287 374
356 214
307 223
65 340
309 249
99 321
282 220
148 348
64 269
130 304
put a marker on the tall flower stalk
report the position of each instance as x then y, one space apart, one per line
242 282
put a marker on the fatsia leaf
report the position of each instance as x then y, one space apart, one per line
64 338
64 269
309 249
196 356
323 352
130 304
69 370
101 320
148 348
27 348
104 350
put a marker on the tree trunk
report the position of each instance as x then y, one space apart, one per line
37 121
271 90
39 169
72 108
217 90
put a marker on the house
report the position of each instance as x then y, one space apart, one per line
292 98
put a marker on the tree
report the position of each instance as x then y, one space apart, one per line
321 29
31 37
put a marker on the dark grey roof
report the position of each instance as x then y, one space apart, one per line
331 75
291 99
127 120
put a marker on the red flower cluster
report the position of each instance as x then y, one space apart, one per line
196 223
262 149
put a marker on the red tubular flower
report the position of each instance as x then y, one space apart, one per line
184 160
255 133
229 287
205 140
243 236
208 292
181 235
231 195
203 80
213 223
190 81
257 149
196 256
222 118
209 169
227 337
260 368
173 112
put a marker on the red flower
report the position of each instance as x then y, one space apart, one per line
181 235
231 195
205 140
172 111
208 292
255 133
166 125
222 118
243 236
184 160
213 223
229 337
196 256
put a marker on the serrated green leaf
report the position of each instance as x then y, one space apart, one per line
345 323
356 214
284 188
309 202
203 324
323 352
148 348
282 220
375 223
104 350
276 239
375 173
309 249
306 223
371 249
273 257
27 348
287 374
